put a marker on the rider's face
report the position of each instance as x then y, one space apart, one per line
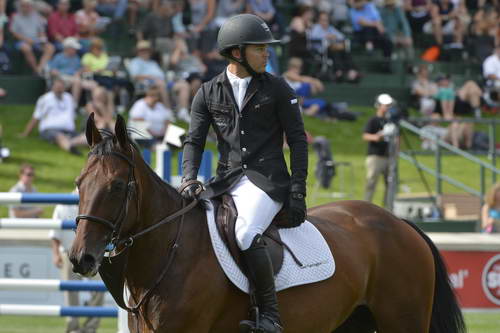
257 56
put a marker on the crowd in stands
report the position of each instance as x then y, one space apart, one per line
176 48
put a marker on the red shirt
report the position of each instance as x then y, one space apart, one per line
62 25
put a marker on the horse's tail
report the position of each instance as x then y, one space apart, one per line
446 314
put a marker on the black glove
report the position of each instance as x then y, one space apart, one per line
190 189
296 209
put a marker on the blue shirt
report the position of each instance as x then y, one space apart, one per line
369 13
139 66
64 64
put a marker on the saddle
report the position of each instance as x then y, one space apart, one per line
225 219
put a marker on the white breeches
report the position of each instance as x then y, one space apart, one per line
256 211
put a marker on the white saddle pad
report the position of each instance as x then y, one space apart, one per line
305 241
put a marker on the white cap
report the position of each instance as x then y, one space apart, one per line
384 99
71 42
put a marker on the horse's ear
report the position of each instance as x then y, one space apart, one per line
121 131
92 133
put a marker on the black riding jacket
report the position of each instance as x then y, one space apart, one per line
250 142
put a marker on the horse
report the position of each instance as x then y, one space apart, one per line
389 275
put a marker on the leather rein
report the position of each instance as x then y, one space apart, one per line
116 225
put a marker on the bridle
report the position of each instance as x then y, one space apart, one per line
116 224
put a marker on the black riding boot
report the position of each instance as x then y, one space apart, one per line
260 272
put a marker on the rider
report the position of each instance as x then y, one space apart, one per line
250 111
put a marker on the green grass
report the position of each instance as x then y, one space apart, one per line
477 322
56 169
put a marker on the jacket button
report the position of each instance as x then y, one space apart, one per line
243 149
244 166
242 132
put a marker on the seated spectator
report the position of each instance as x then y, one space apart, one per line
445 21
61 24
89 23
397 27
147 71
67 66
228 8
434 129
418 13
424 90
323 34
484 32
25 185
102 108
266 11
300 26
134 8
490 212
28 28
491 70
151 110
369 29
187 66
115 9
202 30
55 115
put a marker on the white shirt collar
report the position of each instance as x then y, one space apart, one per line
233 79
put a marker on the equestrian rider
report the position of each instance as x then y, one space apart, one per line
250 111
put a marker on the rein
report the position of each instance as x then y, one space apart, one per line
127 242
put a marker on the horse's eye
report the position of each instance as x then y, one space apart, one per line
117 186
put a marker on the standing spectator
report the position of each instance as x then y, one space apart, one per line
67 66
369 29
397 27
299 28
323 34
490 212
151 110
423 90
377 160
62 24
28 28
55 114
202 30
62 241
25 185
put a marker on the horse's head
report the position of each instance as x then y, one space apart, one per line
106 185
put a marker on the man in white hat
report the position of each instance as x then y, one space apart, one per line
377 159
67 66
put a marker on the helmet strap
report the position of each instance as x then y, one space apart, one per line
243 61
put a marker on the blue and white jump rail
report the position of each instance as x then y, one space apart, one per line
50 285
38 198
57 310
42 224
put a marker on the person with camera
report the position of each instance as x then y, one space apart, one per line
376 133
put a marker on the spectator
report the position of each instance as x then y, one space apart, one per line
102 108
151 110
445 21
369 29
299 28
89 23
146 71
397 27
423 90
490 212
134 8
62 241
434 129
202 32
25 185
115 9
377 160
28 28
67 66
484 32
55 114
491 73
228 8
418 13
323 34
61 24
266 11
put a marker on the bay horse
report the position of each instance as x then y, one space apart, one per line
389 275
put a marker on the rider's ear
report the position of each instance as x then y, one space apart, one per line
92 133
121 132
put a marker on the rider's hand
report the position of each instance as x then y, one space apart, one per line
191 192
296 209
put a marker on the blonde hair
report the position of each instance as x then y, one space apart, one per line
490 196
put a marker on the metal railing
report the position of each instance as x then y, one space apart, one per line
437 172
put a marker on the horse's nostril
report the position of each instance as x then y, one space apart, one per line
88 260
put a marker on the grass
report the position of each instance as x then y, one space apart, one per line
477 322
56 169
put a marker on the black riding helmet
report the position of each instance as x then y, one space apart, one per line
241 30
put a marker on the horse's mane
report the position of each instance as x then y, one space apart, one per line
108 145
